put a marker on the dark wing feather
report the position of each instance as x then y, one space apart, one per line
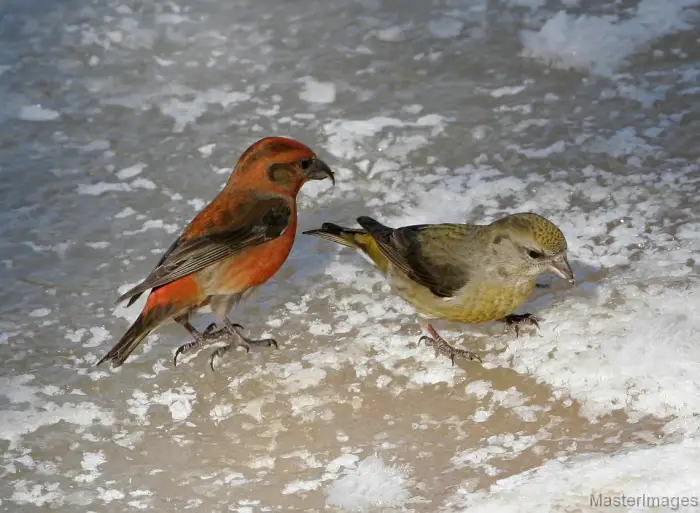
421 255
136 296
266 220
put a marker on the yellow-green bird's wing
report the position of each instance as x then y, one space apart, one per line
436 256
433 255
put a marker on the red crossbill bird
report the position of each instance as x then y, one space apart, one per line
236 243
462 272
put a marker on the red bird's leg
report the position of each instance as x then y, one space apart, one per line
442 347
234 330
209 335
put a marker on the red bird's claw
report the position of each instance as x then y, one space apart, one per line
184 348
177 353
210 329
218 353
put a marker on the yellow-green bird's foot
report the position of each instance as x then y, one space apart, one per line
517 321
441 346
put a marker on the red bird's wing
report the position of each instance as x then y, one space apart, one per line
263 220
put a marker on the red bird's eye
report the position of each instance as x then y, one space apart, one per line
305 163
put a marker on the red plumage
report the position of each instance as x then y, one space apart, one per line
237 242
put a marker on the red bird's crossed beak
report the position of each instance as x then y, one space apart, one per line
319 170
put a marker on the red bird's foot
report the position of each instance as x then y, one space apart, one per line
441 346
211 330
208 336
239 340
517 321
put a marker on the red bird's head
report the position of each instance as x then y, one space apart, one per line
279 163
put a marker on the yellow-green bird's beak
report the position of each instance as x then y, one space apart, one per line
560 267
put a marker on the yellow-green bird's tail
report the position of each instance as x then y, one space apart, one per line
352 238
345 236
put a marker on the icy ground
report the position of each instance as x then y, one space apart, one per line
120 120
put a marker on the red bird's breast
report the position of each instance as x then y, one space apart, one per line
255 265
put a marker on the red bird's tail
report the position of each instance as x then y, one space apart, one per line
142 326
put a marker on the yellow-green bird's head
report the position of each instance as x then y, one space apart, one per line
528 245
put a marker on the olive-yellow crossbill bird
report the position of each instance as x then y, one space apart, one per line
233 245
461 272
